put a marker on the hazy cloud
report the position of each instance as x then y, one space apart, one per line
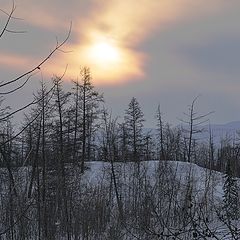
220 56
178 48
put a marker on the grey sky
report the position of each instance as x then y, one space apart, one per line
196 53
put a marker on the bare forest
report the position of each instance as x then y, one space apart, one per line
71 170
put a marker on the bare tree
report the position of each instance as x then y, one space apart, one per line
23 78
160 129
89 100
193 122
8 87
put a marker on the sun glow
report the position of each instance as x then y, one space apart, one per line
109 41
110 61
110 38
104 54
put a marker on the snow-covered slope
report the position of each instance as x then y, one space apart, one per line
184 180
99 172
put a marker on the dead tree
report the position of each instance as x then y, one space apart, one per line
193 126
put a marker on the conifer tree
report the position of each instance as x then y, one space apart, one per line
86 111
134 125
230 197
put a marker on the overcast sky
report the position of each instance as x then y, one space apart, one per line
171 51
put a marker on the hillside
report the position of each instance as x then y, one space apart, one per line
173 190
126 201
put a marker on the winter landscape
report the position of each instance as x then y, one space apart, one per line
119 120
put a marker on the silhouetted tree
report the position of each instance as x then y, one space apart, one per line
230 197
193 122
89 103
134 125
160 129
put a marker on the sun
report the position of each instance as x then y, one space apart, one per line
109 59
105 53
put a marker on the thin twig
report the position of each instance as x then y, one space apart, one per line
57 47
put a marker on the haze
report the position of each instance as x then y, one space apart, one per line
163 52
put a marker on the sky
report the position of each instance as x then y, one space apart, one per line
159 51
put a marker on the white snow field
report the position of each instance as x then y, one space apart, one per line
156 200
205 188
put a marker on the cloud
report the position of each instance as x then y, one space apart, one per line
219 56
55 15
128 23
15 61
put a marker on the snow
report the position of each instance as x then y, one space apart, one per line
204 183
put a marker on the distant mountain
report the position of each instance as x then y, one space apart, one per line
219 131
222 131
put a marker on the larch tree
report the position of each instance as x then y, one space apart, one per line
192 126
160 134
19 202
230 197
133 120
61 100
88 103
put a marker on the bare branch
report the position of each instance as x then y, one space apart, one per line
57 47
26 106
14 31
8 19
32 121
19 87
6 13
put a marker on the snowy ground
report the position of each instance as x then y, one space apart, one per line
205 183
95 186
